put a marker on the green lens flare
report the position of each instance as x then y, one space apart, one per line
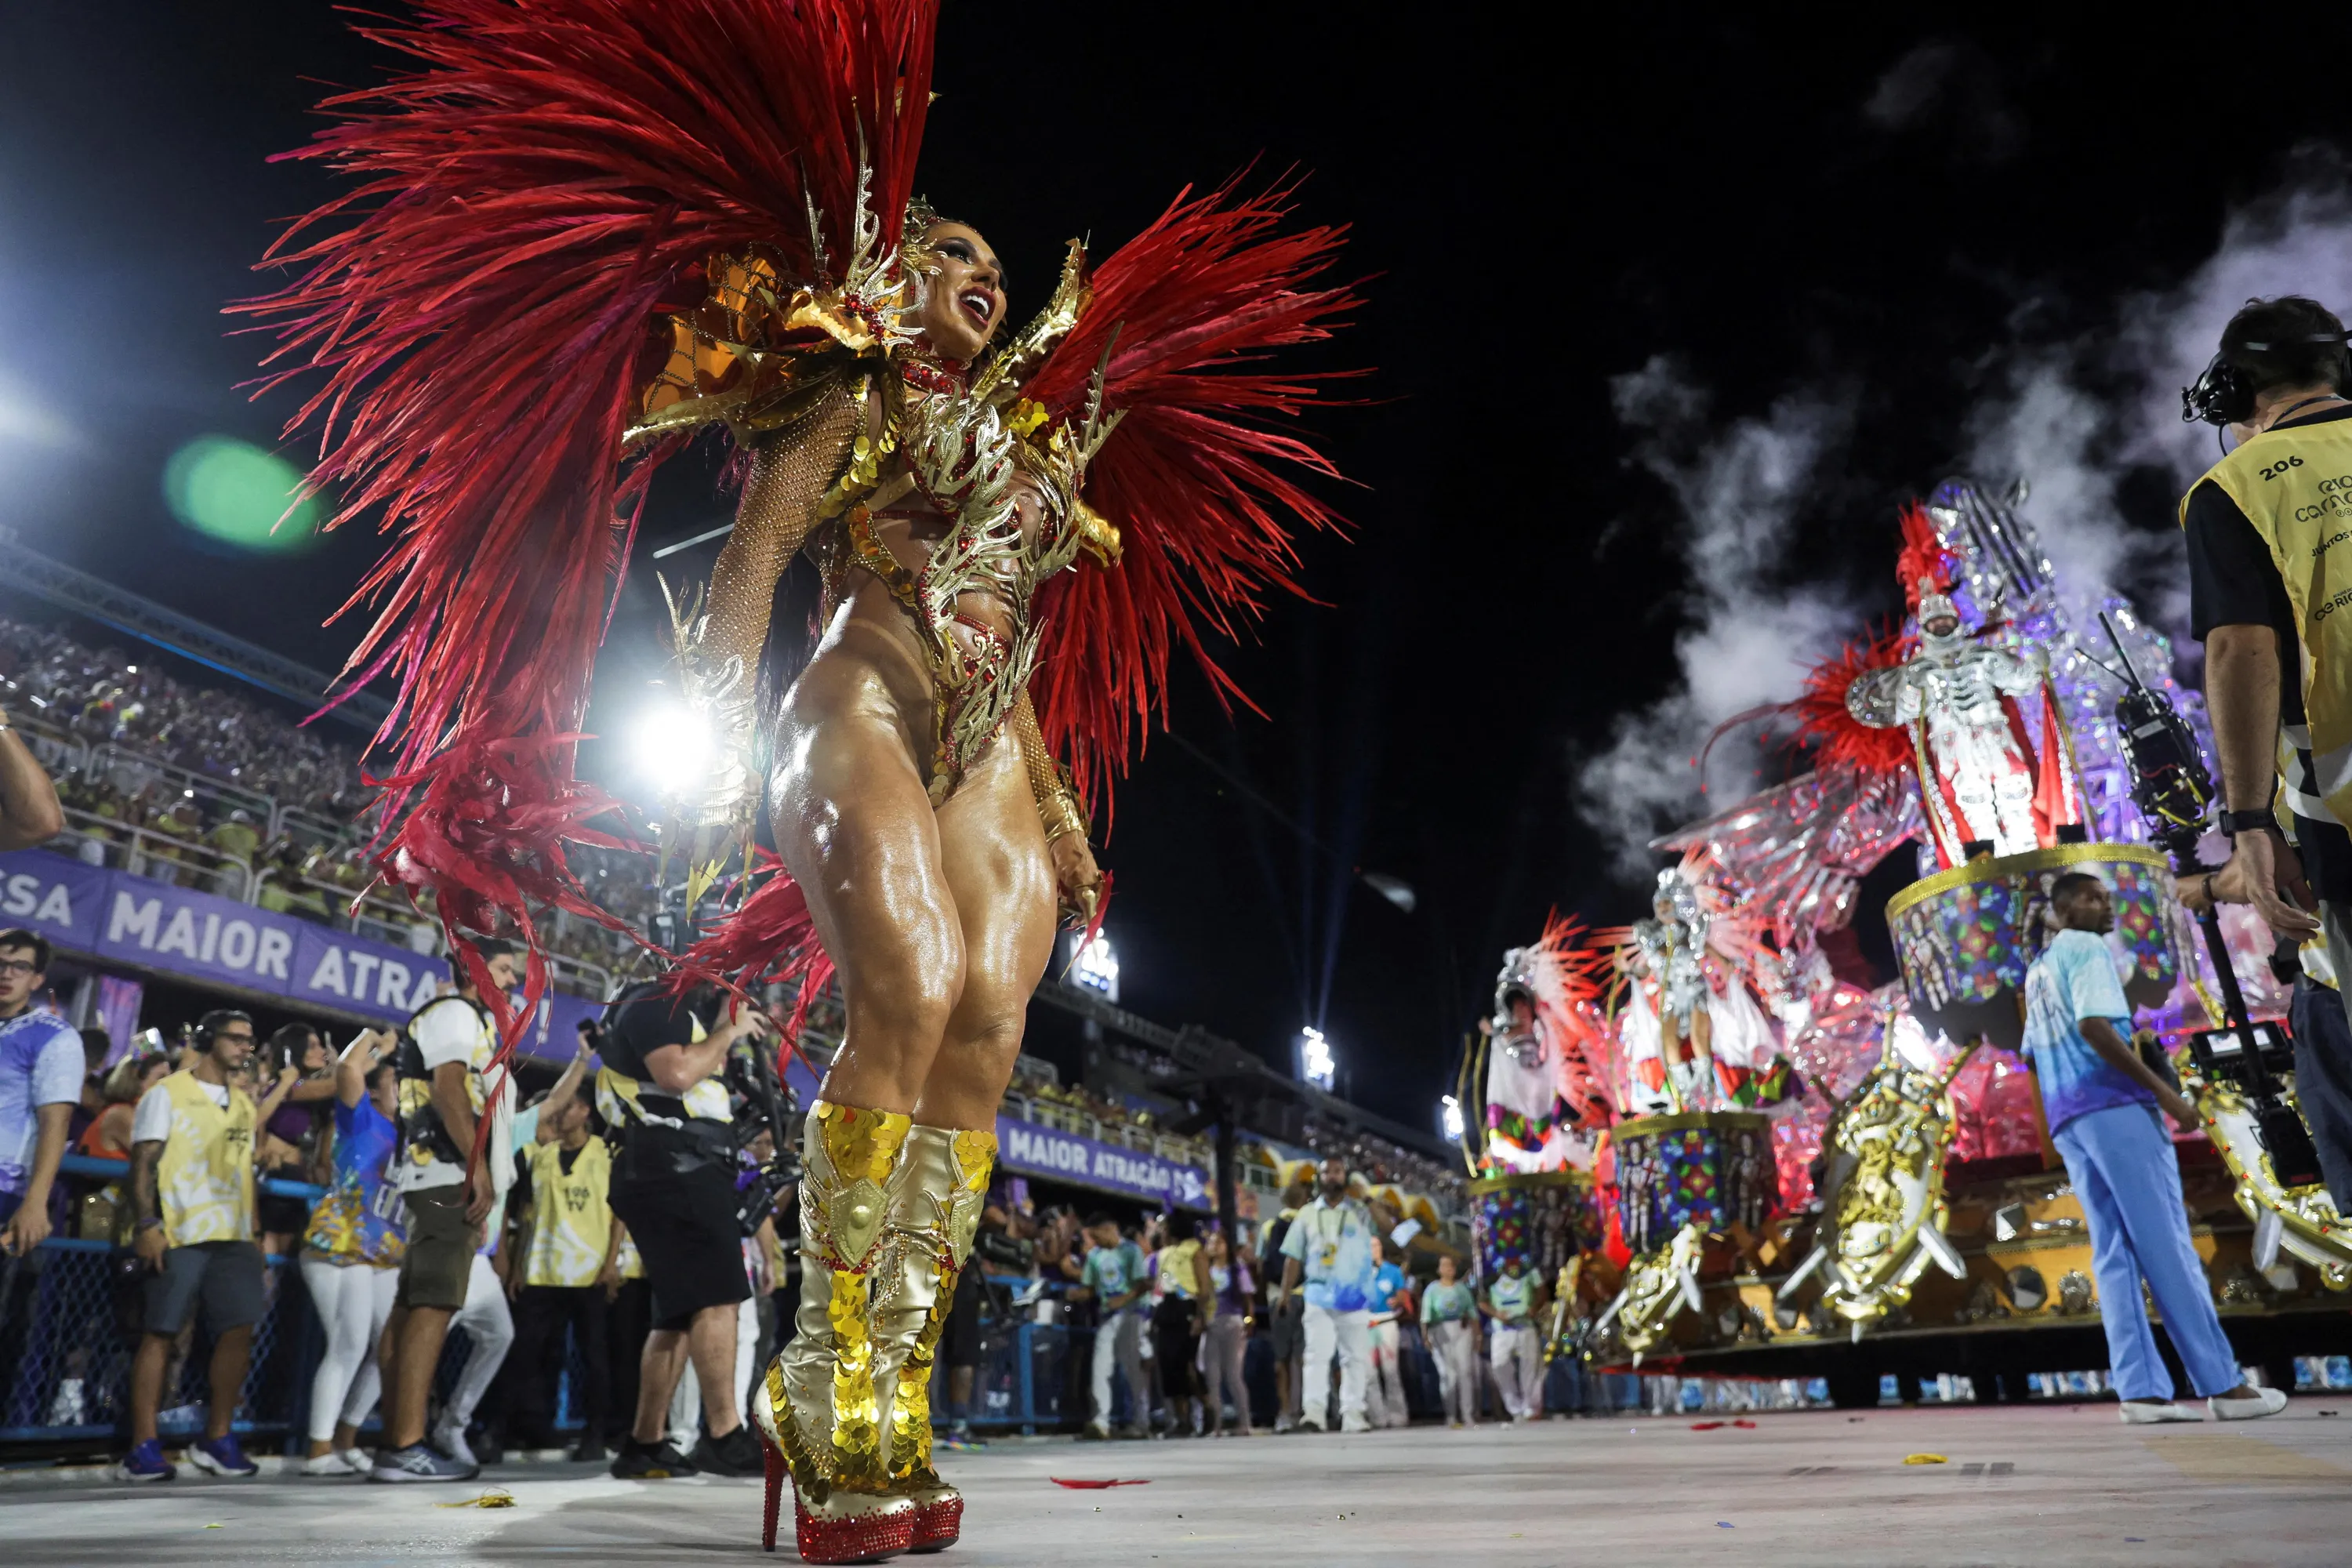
237 491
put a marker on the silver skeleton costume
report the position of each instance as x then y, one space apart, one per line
1951 690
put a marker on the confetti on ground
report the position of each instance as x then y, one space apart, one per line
1722 1524
494 1498
1704 1425
216 1527
1093 1485
1926 1459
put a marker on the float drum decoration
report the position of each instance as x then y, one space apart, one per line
1684 1182
1965 937
1982 781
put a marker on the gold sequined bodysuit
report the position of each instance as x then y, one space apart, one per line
842 430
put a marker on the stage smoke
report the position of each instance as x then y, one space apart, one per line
1745 640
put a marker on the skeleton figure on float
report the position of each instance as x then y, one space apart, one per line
1979 779
1543 1092
1692 1033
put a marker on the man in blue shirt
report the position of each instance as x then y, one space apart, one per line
1114 1276
41 1069
2101 1101
1330 1245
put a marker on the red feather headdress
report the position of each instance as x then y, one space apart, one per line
1923 556
538 191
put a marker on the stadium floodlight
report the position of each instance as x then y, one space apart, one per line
1317 1064
1449 1118
673 748
1095 965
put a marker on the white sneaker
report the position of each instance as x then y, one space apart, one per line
2266 1402
327 1464
450 1439
2137 1414
359 1461
1355 1423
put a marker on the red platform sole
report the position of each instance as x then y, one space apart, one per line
937 1525
870 1538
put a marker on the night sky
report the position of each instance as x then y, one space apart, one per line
1888 218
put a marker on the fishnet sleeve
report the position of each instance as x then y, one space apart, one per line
1058 806
791 471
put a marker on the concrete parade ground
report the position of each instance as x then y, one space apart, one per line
2054 1487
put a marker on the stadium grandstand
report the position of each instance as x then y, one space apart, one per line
196 786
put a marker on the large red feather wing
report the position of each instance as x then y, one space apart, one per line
533 196
1203 485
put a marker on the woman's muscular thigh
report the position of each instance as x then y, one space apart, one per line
856 831
993 853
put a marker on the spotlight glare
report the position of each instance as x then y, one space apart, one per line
1317 1064
1097 965
673 748
1449 1118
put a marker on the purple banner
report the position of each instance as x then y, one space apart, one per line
1066 1156
112 915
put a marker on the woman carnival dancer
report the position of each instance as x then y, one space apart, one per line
588 230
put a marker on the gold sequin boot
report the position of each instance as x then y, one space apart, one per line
930 1232
818 1410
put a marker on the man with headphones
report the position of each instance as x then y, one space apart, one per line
191 1188
2270 586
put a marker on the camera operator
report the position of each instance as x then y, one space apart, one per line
661 1094
2281 721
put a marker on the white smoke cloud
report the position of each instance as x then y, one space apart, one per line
1747 638
2077 419
2076 446
2297 240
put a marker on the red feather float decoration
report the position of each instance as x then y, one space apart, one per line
1200 484
542 188
1825 723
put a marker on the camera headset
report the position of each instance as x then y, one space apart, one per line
209 1027
2224 395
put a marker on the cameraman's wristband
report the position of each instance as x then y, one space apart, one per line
2262 819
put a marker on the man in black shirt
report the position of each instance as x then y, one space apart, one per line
2260 512
673 1186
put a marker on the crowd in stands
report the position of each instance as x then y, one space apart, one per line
109 698
125 808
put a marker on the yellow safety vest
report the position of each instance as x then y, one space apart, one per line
203 1180
572 1220
2295 486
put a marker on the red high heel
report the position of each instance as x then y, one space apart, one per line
775 1496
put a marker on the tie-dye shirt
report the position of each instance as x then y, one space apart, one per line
359 1218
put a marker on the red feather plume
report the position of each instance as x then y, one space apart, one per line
1823 722
1204 487
1923 555
543 185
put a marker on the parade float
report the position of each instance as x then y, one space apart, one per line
1782 1167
